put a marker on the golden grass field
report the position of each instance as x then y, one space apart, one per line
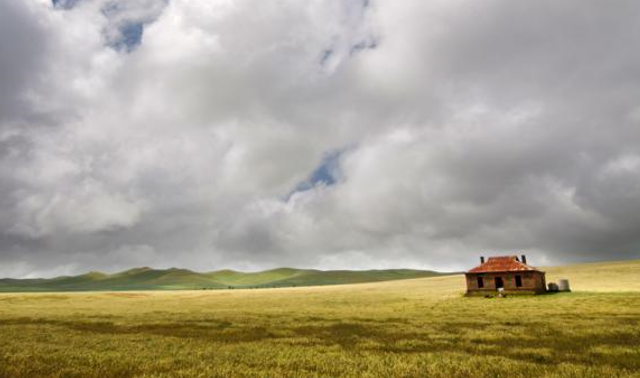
410 328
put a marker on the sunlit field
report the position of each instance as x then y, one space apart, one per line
410 328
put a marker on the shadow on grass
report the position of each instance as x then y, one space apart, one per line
540 346
222 331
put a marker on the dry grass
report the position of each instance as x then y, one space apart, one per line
600 277
412 328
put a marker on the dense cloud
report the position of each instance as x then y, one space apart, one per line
331 134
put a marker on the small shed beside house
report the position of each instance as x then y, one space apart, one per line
510 273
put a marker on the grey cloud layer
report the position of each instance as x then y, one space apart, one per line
463 127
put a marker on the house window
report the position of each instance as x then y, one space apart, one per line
499 282
518 281
480 282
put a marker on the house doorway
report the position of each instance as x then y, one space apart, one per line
499 282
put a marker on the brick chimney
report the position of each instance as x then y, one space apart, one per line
524 259
481 259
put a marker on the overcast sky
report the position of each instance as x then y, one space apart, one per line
210 134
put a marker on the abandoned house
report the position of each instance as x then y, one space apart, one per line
511 274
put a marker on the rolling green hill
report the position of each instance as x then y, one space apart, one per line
183 279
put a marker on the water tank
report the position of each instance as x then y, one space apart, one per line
563 285
552 287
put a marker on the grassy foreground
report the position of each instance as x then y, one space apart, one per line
410 328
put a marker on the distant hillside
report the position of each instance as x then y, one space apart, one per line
183 279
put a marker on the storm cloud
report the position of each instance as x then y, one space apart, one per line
211 134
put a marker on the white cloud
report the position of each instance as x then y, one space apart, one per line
463 128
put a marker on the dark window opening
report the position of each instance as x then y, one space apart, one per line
518 281
499 282
480 282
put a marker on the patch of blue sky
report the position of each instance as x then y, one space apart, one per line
65 4
129 32
327 173
123 35
130 36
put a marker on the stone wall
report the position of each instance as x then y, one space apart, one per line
531 282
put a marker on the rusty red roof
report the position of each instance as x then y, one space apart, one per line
502 264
